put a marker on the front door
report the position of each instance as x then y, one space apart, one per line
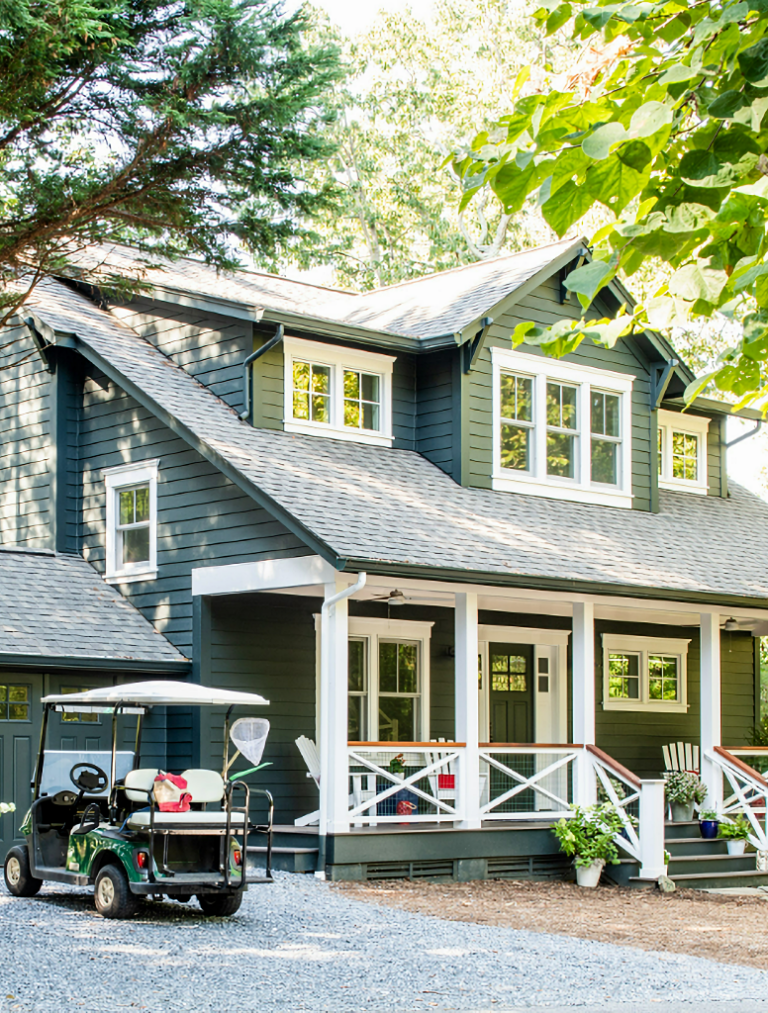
20 715
511 692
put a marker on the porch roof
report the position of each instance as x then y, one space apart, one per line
57 608
393 511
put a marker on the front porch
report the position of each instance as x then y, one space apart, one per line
441 792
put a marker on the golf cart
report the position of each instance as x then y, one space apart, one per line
99 817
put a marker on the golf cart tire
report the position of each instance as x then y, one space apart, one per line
220 906
18 878
112 895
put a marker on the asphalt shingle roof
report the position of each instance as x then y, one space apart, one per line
57 606
392 506
442 303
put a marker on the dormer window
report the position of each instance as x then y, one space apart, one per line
683 451
338 392
561 430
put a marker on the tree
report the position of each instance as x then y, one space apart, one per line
661 124
419 85
180 126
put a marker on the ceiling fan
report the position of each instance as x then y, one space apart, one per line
397 597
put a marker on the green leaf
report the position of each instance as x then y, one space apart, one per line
740 378
587 281
569 163
727 104
614 183
664 312
566 206
678 72
558 18
696 282
512 185
607 332
703 168
688 217
649 119
599 143
754 62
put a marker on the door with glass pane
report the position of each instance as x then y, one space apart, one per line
20 714
511 692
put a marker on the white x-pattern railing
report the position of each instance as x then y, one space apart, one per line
749 793
623 789
548 783
369 767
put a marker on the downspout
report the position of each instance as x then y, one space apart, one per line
273 341
328 604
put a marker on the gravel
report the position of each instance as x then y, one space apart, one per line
299 945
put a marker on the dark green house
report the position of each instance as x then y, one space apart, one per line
477 584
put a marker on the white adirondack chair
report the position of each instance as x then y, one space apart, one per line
311 757
681 756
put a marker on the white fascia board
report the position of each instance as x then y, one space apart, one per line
523 635
264 575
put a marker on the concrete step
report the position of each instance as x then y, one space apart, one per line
283 859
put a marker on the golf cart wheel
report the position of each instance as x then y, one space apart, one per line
220 906
18 878
112 894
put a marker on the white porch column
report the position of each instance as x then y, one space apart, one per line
585 788
710 704
467 718
651 829
334 791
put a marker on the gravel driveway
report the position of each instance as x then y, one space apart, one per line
298 945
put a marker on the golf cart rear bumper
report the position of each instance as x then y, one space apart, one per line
186 884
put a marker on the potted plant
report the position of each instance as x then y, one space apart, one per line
683 789
736 834
588 836
709 821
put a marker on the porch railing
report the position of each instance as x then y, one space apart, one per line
425 790
617 784
748 788
521 781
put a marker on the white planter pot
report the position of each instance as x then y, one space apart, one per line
589 875
736 847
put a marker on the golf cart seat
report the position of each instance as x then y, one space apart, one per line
204 786
192 818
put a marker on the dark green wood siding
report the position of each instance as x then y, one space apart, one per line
203 518
209 346
26 510
438 425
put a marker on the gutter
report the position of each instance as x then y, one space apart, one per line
267 347
175 668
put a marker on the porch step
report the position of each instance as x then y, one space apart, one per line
712 865
707 881
680 846
283 859
674 831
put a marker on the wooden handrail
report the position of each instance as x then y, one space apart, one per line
745 749
530 745
617 768
740 765
406 745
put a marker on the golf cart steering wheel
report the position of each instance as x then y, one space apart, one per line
90 781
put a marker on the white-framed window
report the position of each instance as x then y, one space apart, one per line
388 680
561 430
683 451
340 392
645 673
131 508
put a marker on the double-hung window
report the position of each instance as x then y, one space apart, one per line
131 520
644 673
682 451
561 430
340 392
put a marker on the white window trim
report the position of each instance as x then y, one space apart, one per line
119 478
373 629
693 425
537 482
618 643
338 359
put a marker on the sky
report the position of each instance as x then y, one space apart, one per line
747 461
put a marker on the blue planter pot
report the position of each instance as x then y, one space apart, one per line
708 829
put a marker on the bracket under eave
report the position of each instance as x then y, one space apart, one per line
660 377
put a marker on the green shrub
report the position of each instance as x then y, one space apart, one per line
738 830
589 833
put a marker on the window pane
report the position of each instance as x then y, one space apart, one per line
662 677
685 452
604 461
3 694
561 455
126 506
388 668
356 719
516 397
300 405
321 379
661 449
18 711
499 682
352 414
407 674
370 385
561 406
18 706
301 376
605 414
624 676
135 545
370 416
321 408
397 718
357 666
18 694
515 447
142 503
351 384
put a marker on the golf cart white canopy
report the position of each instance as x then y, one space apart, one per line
152 694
